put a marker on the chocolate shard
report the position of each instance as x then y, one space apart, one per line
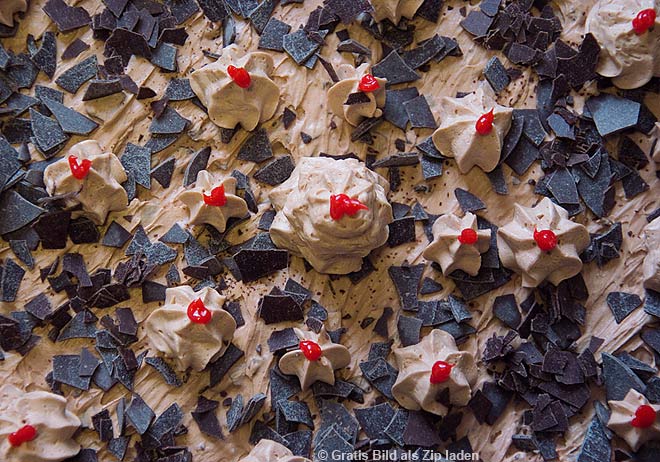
72 122
74 77
622 304
394 69
612 113
406 280
468 201
619 378
257 147
275 172
66 17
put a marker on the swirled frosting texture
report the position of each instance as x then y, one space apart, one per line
340 91
100 192
413 388
333 356
519 252
449 252
457 135
190 344
228 104
622 413
630 59
651 266
271 451
8 8
303 224
394 10
200 213
48 414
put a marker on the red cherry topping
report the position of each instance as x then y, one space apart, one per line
485 123
368 83
239 75
644 417
311 350
644 20
79 169
217 197
199 313
546 239
468 236
341 204
440 372
22 435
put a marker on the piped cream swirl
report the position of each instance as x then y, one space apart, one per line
623 412
100 192
631 60
303 224
190 344
48 414
349 84
228 104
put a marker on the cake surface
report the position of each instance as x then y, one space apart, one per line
157 126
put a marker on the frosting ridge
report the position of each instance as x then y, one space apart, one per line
48 414
519 251
99 192
457 135
651 265
190 344
303 224
227 102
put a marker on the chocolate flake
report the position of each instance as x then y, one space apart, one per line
11 276
253 264
622 304
496 75
279 308
468 201
66 17
74 49
419 113
221 366
300 46
139 414
48 135
275 172
257 147
72 122
401 230
205 417
406 280
619 378
612 113
164 370
65 370
74 77
394 69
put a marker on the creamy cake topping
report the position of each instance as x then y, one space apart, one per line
631 57
8 8
90 177
472 129
651 266
271 451
429 368
394 10
237 88
213 201
541 243
191 328
458 244
36 426
304 225
359 82
634 419
316 358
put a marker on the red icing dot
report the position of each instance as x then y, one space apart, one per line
485 123
22 435
546 239
644 417
217 197
341 204
644 20
311 350
239 75
468 236
440 372
198 313
79 169
368 83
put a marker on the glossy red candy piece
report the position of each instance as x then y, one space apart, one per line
217 197
485 123
199 313
240 76
368 83
645 416
468 236
546 239
440 372
341 204
79 170
644 20
22 435
311 350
